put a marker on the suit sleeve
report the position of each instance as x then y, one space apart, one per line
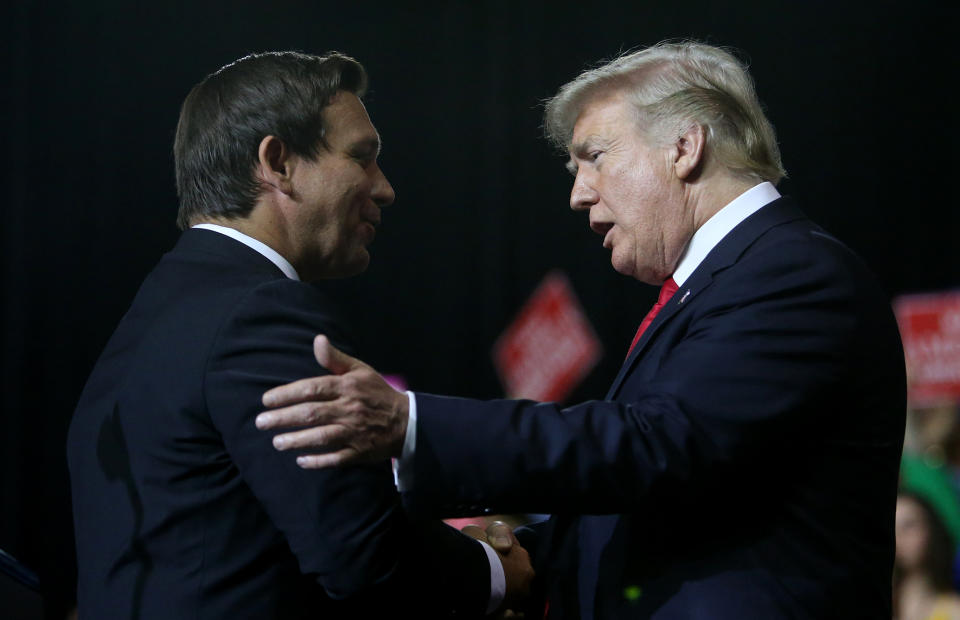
755 365
345 526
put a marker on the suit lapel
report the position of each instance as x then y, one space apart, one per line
726 253
697 281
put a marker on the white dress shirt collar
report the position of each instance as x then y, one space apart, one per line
269 253
717 227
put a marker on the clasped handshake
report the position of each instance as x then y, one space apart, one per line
352 415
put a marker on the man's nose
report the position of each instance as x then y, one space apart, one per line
382 193
582 196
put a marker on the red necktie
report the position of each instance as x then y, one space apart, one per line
666 292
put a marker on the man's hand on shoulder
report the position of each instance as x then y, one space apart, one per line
517 568
353 415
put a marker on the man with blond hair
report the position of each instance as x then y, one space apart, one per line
744 462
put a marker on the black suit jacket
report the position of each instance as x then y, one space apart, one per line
183 509
743 464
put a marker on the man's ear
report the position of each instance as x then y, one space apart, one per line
275 164
690 150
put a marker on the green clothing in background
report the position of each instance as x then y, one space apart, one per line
935 484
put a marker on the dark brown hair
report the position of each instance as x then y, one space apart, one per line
227 115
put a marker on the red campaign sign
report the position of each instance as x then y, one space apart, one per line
549 347
930 328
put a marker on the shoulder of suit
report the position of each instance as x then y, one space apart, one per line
292 306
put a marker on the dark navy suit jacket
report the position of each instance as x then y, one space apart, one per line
743 464
183 509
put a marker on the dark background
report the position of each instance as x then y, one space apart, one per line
90 98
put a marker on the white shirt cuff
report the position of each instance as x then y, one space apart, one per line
498 581
404 469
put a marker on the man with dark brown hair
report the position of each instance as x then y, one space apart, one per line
182 508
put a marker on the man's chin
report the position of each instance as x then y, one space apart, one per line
353 265
357 264
623 267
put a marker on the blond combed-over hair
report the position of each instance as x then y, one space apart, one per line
673 85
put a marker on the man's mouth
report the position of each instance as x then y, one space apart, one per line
603 229
369 228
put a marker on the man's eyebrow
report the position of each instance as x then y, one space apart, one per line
593 141
366 147
578 149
